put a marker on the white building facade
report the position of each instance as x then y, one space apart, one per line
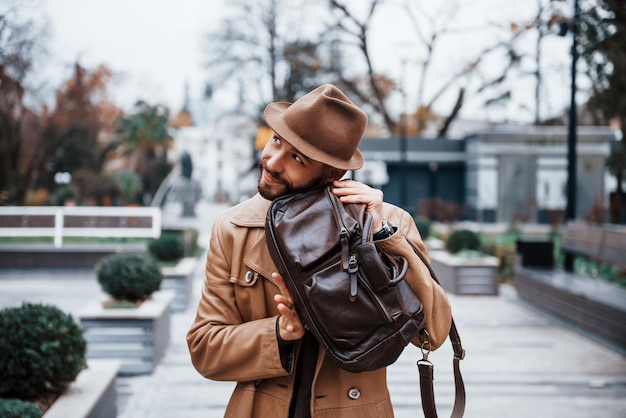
223 157
512 172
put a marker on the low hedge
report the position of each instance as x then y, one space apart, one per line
42 350
16 408
167 248
129 276
463 239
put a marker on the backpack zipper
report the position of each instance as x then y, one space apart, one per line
344 235
350 263
374 297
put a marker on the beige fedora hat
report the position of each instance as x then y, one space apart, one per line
323 124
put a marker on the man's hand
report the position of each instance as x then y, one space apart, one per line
290 326
350 191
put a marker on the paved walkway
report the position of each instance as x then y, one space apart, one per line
520 363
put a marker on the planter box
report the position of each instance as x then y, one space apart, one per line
466 276
137 337
180 279
91 395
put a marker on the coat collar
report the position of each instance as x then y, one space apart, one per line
252 213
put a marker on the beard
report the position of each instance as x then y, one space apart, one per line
273 192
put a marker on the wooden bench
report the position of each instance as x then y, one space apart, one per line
592 305
79 221
600 244
60 222
614 248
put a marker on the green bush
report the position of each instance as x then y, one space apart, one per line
15 408
42 350
128 276
188 236
167 248
462 239
423 226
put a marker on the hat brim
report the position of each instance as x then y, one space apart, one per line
274 117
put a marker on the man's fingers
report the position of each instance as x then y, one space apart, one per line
282 300
290 324
281 284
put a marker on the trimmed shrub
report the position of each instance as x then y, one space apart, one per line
423 226
463 239
15 408
42 350
167 248
189 237
128 276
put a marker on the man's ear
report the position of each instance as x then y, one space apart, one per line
335 174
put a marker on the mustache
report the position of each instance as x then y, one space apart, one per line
277 177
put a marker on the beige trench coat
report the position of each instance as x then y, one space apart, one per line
233 336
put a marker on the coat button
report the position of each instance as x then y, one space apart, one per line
249 276
354 393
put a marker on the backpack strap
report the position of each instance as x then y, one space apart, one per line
426 368
426 372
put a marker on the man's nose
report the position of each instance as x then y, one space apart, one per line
274 162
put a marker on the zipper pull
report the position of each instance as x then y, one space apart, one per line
353 267
345 248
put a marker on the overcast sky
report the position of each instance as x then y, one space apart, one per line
154 46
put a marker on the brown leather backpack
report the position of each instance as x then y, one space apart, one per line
352 298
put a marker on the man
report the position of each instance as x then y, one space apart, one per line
246 329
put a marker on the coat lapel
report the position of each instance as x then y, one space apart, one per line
258 257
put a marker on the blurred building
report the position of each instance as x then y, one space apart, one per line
499 174
495 173
223 156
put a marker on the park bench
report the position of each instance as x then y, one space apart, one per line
79 221
600 244
592 305
60 222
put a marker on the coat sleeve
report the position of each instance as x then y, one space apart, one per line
222 345
437 310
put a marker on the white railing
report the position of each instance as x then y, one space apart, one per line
84 221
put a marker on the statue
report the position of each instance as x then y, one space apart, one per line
185 189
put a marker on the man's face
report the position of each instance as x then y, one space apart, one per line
284 169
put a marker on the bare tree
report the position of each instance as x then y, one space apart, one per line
265 51
20 127
21 150
429 29
259 47
21 39
358 31
543 24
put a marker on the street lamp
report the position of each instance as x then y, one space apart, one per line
403 139
570 209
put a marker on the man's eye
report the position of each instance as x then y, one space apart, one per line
298 159
277 140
